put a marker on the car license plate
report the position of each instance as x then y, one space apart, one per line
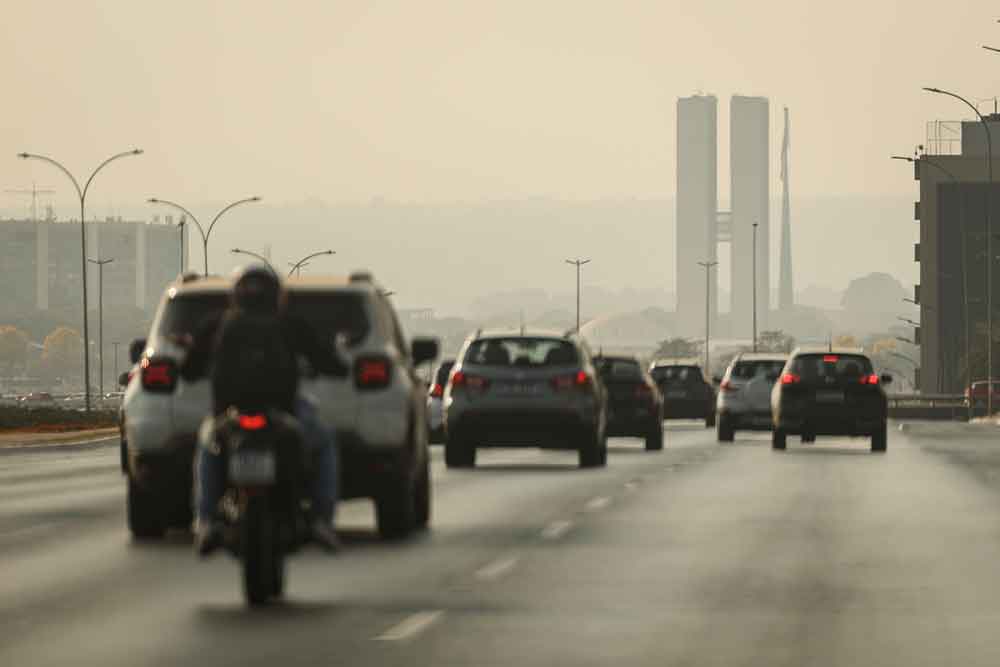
519 388
829 396
676 394
252 467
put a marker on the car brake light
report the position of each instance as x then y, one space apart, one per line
869 379
830 358
460 379
253 422
371 373
580 379
158 374
790 378
437 391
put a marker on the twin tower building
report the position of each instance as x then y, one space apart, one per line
702 227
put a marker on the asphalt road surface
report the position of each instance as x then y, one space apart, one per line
700 555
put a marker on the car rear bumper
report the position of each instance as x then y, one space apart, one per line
550 429
167 470
687 408
831 424
750 420
367 470
632 420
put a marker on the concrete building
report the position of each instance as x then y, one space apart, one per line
952 174
697 205
749 153
41 263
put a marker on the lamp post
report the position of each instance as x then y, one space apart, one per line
297 266
708 311
989 242
578 263
100 318
82 193
205 235
180 226
250 253
115 345
755 286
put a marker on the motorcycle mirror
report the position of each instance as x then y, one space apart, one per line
123 379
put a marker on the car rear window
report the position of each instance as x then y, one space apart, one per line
443 371
838 366
747 370
677 374
525 352
186 313
620 369
332 313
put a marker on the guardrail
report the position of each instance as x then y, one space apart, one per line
928 406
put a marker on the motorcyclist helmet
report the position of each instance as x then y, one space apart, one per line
257 289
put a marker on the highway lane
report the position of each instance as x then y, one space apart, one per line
701 554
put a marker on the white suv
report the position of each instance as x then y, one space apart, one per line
744 401
377 411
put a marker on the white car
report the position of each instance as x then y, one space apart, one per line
744 399
435 402
377 411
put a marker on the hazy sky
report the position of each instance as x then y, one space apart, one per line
430 100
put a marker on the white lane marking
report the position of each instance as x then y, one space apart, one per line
556 529
632 484
598 503
497 568
411 626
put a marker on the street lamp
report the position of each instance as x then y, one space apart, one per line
240 251
708 310
755 286
989 243
180 226
205 235
578 263
115 344
82 193
100 317
297 266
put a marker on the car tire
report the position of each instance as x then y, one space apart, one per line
880 438
654 439
396 509
724 429
808 438
459 453
710 420
594 451
145 516
422 495
778 439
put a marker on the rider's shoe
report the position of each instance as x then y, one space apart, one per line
208 536
324 536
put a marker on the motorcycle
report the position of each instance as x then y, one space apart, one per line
264 507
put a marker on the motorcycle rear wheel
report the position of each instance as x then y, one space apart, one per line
263 557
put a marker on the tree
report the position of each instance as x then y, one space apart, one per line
13 348
676 348
62 353
775 341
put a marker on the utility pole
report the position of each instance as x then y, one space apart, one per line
578 263
34 192
100 319
755 286
708 311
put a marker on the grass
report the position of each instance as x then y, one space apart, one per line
53 420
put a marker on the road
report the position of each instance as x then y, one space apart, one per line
700 555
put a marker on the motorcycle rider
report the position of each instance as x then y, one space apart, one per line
252 354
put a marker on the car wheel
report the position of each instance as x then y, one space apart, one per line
654 439
880 439
724 429
808 437
459 453
594 451
710 420
778 439
145 516
422 495
395 508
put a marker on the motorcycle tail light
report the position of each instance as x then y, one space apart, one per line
253 422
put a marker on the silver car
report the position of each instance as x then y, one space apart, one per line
435 402
525 390
744 400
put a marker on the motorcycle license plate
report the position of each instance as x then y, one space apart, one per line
252 468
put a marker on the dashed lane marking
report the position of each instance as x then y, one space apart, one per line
556 529
411 626
497 568
597 504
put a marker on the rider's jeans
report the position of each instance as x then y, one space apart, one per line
319 441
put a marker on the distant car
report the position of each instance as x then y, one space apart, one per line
635 405
686 392
829 392
37 399
744 401
522 389
976 395
435 402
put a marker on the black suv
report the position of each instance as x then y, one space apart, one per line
686 393
829 392
635 405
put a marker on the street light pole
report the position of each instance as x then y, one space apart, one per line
115 345
250 253
100 318
755 286
578 263
989 243
708 311
297 266
180 226
205 235
82 193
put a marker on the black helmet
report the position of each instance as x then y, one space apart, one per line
257 289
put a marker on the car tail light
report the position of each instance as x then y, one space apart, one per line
372 373
158 374
727 386
869 379
253 422
790 378
580 379
466 381
437 391
830 358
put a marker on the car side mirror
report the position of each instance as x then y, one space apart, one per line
886 378
135 349
123 379
424 349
